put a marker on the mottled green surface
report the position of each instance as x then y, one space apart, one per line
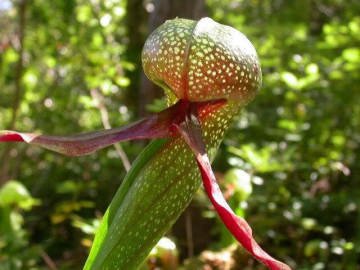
202 61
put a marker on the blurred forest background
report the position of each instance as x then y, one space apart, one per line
290 163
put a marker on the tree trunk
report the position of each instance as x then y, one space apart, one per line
136 24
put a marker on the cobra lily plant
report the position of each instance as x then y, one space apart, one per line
209 72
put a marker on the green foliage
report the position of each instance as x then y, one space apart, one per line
14 193
14 243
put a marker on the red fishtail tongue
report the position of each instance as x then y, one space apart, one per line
191 131
159 125
154 126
